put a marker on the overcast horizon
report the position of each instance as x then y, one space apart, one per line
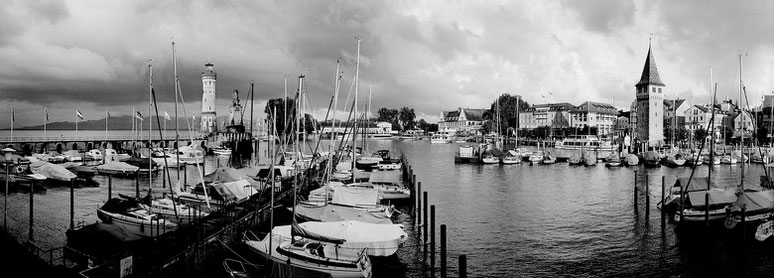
429 55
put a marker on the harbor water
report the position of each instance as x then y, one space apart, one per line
509 220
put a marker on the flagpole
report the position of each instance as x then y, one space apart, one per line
106 123
13 119
45 123
76 123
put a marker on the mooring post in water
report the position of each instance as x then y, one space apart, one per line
635 190
744 215
137 184
32 192
110 187
706 210
72 204
419 206
663 193
424 227
647 197
432 240
463 266
164 177
443 250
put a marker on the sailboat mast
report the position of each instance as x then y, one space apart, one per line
354 129
298 155
150 124
177 129
271 174
741 113
336 80
518 118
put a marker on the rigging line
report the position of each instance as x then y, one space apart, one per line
760 151
190 135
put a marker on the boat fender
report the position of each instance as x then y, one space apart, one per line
730 223
19 169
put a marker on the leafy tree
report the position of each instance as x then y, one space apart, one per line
700 134
310 124
390 116
406 118
278 104
508 115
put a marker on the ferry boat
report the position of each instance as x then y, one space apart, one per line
442 137
573 143
413 134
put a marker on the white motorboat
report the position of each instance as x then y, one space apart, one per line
511 157
130 216
117 168
490 159
536 157
190 155
222 151
112 155
94 154
378 239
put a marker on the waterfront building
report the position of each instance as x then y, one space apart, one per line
554 115
621 126
768 101
594 114
674 116
698 116
235 110
650 99
467 120
209 78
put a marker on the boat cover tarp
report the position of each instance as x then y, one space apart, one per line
51 171
140 162
632 159
237 188
716 197
227 174
613 157
590 155
513 153
332 212
388 177
220 192
72 153
496 152
756 201
361 175
356 196
381 239
82 169
696 184
117 167
651 156
297 230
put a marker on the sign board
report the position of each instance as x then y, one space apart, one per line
126 267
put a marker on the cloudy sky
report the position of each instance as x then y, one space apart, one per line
430 55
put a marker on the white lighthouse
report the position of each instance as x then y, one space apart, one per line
209 77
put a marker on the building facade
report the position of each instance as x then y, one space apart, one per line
235 110
554 115
603 116
209 78
463 119
743 122
650 101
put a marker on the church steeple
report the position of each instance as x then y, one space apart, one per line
650 72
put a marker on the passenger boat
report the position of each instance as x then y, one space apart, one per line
130 216
442 137
573 143
413 134
510 157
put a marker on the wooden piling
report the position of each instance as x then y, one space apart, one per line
744 215
32 192
72 204
185 176
463 266
432 240
635 189
443 250
137 185
110 187
424 228
706 211
647 197
663 196
164 176
419 206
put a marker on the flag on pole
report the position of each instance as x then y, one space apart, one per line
79 114
13 115
166 116
138 115
108 113
47 115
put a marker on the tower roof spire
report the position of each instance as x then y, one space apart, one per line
650 72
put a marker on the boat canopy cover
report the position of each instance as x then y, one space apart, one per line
333 212
381 239
632 159
117 166
356 196
237 189
512 153
590 155
228 174
82 169
651 155
388 177
297 230
613 157
72 153
495 151
755 201
140 162
696 184
716 197
51 171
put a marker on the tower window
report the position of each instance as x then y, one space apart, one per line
659 90
654 89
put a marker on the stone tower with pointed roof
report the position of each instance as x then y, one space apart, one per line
650 98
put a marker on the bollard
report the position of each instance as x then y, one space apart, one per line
32 190
432 241
110 187
443 250
706 211
164 177
647 197
185 177
413 179
72 204
463 266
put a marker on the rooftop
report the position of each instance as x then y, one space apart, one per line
650 72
